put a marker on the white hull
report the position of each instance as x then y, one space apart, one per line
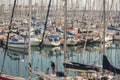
22 44
70 42
53 43
116 37
16 45
35 41
109 38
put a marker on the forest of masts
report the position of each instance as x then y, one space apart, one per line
39 7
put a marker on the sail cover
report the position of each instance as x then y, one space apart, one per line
80 66
108 66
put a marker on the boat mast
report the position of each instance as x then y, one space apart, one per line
42 9
65 35
72 7
56 16
119 10
104 27
60 10
103 30
29 46
0 8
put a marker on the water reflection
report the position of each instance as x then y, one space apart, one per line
16 60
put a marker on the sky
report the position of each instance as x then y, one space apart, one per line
37 1
81 3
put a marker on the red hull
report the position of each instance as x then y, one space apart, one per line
3 78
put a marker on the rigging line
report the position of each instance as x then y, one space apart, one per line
110 12
87 34
82 21
85 9
45 26
8 34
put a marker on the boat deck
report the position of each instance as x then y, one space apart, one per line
82 71
49 77
9 77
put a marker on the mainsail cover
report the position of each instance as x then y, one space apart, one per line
74 65
108 66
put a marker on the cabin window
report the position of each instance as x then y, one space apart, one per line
56 39
15 39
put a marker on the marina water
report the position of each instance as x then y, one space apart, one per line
16 60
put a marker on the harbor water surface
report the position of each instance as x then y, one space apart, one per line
16 61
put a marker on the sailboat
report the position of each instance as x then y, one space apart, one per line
17 41
4 76
59 75
52 40
83 67
106 63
